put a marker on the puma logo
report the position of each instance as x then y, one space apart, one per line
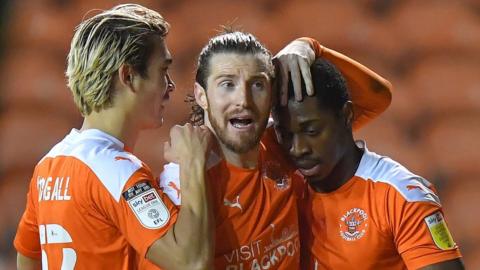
233 204
174 186
410 187
117 158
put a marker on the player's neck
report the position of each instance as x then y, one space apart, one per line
342 172
248 160
113 123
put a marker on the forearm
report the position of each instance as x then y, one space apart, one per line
26 263
370 92
189 243
195 212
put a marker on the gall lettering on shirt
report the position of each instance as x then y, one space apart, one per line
50 189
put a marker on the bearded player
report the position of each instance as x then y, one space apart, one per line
254 191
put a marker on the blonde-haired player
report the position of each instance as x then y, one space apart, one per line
91 203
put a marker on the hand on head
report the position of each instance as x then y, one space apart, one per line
296 58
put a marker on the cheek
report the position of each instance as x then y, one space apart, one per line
323 146
217 103
262 101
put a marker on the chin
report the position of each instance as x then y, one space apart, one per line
154 124
316 178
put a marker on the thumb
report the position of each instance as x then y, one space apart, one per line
167 152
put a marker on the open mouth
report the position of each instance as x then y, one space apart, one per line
241 123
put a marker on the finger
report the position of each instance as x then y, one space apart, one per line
167 153
307 76
284 86
296 80
174 131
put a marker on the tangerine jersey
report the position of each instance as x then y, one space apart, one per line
92 205
384 217
255 212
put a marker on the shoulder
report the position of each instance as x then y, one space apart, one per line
103 155
382 169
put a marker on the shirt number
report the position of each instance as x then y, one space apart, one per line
56 234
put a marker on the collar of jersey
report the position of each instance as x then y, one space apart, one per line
368 159
95 134
364 161
261 156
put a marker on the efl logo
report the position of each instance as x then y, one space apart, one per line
149 197
353 224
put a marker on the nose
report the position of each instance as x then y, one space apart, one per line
299 147
170 84
244 96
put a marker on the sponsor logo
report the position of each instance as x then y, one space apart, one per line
148 197
353 224
233 204
147 206
439 231
266 253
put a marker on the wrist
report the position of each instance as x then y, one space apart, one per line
193 162
314 45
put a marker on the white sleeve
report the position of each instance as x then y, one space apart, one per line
170 182
170 178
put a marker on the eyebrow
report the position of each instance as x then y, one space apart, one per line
260 76
307 122
223 76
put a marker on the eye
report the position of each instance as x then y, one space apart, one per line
312 132
258 85
228 84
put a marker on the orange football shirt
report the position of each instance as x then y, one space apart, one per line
92 205
384 217
255 212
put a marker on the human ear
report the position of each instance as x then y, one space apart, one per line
200 96
126 76
348 114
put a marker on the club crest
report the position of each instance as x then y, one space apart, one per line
353 224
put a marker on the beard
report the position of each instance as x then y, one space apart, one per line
240 144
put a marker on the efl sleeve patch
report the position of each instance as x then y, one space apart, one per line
147 205
439 231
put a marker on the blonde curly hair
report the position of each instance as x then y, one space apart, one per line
102 43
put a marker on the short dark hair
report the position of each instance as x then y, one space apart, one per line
228 41
331 89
